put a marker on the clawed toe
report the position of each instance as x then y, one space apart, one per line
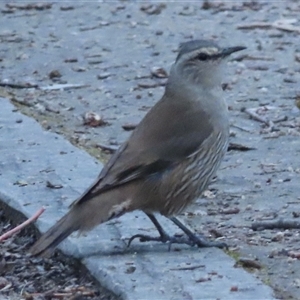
194 240
144 238
163 238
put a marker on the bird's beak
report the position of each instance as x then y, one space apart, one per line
228 51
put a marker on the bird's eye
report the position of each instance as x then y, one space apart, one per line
202 56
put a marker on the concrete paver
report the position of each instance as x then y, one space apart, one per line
31 156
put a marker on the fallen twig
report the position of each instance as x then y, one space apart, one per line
22 101
53 186
23 225
111 149
274 135
6 287
66 293
66 86
284 25
239 147
26 85
188 268
38 6
230 211
241 128
249 263
146 85
281 119
63 295
276 224
255 116
259 25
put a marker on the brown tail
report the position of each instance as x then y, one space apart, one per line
82 217
56 234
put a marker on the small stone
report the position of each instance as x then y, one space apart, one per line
203 279
54 74
278 237
264 90
296 214
153 9
103 76
3 282
257 185
130 270
79 69
129 126
94 120
21 183
234 288
159 72
248 207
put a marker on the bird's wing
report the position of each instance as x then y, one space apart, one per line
168 134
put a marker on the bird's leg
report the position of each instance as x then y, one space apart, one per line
163 236
190 239
159 228
197 239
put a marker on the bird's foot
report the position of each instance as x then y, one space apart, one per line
165 238
190 238
194 240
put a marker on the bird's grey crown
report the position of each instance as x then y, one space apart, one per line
190 46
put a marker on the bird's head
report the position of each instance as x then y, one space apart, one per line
200 61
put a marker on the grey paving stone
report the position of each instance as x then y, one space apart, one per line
30 156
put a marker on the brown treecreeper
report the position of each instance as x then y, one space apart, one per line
169 159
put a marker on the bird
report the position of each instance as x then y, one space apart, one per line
169 159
